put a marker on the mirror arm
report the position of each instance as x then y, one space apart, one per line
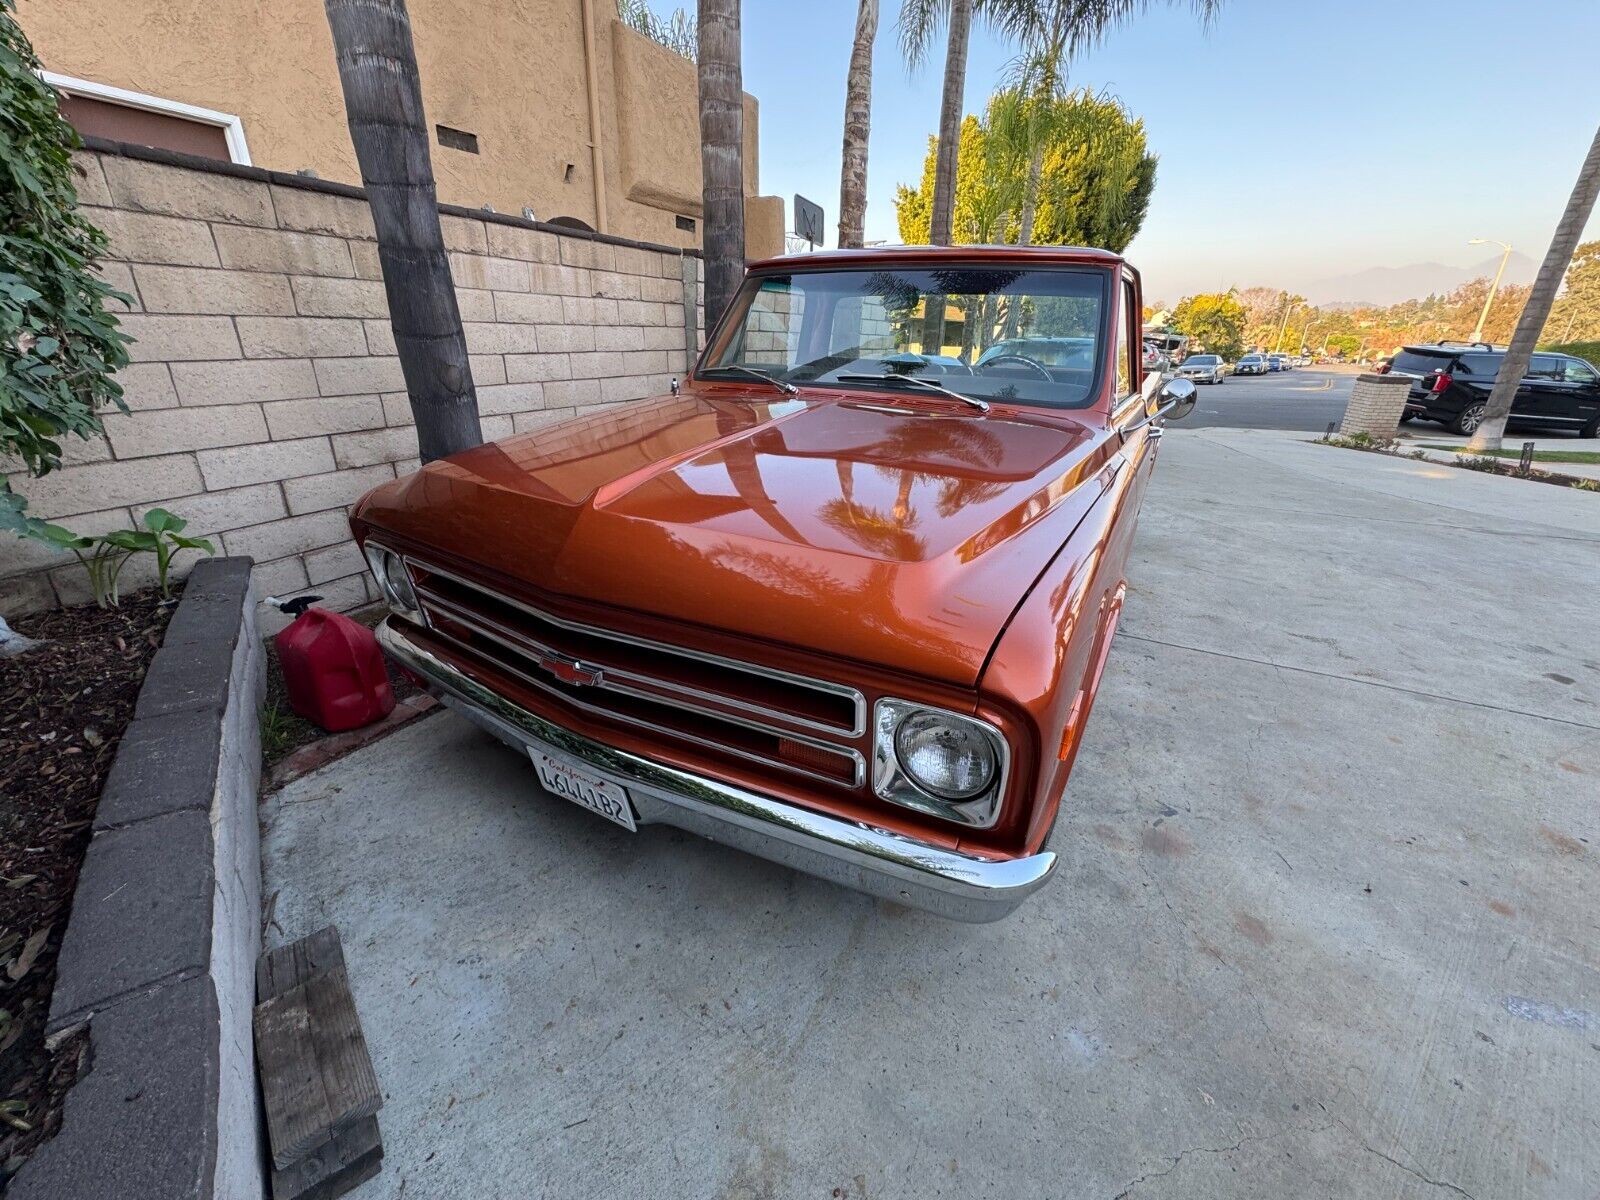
1155 416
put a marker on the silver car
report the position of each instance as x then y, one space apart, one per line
1202 368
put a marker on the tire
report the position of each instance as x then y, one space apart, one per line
1407 418
1466 421
1592 429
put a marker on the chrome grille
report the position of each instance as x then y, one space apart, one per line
791 723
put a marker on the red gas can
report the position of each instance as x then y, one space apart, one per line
334 671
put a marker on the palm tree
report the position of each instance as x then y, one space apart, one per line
857 127
383 104
1537 310
919 19
721 152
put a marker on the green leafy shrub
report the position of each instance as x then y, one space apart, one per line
58 344
103 556
1589 351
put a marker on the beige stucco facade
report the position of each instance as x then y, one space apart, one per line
512 72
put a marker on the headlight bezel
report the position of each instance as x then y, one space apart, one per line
380 561
893 782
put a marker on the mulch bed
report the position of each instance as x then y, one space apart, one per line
63 708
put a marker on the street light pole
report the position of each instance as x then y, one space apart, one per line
1288 307
1477 333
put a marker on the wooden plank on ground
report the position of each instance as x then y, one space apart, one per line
351 1158
317 1080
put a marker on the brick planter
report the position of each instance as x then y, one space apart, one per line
159 956
1376 405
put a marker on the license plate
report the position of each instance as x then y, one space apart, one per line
597 795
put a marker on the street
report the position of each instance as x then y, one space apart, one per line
1305 399
1324 924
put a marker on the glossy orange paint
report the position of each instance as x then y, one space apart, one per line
903 544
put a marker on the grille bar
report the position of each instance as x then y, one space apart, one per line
539 653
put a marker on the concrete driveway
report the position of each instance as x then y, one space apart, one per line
1327 925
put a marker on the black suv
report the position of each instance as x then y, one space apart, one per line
1451 383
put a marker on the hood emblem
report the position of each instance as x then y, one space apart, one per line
570 670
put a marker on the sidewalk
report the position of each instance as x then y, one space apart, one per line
1325 923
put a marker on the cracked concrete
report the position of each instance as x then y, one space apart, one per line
1327 906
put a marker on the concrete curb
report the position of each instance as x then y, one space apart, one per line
158 960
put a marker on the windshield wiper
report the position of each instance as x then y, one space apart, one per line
788 389
980 405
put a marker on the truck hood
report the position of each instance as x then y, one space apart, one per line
899 534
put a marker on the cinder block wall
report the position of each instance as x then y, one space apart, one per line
265 392
1375 406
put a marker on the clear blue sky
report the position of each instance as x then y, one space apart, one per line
1297 141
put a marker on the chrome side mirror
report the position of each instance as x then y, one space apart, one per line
1175 398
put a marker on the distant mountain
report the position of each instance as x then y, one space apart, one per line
1390 285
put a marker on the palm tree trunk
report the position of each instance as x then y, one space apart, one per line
1030 207
1540 299
857 127
383 104
942 217
721 152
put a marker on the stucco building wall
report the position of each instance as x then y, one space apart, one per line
512 72
265 392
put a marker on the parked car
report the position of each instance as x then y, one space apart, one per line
1155 359
849 619
1251 364
1277 362
1202 368
1451 385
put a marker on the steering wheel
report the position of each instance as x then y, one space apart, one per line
1025 361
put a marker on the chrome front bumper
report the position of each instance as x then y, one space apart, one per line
961 887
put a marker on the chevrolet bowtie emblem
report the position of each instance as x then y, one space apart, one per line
570 670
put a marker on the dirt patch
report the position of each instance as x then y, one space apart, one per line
1501 907
1165 842
1565 843
1253 928
63 707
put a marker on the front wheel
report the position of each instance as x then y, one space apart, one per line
1592 429
1468 419
1407 418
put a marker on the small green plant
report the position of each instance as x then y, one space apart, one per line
1478 462
1586 485
1360 440
104 555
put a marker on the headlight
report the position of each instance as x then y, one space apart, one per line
938 762
389 569
954 762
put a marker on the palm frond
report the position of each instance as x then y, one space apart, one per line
916 26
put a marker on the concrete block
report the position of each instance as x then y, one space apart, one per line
169 430
614 388
286 577
243 382
334 562
100 486
569 393
529 245
286 251
475 304
319 212
379 337
536 368
142 910
365 449
119 277
351 376
292 535
556 280
365 259
241 465
487 368
179 339
320 296
154 238
289 419
580 252
509 398
397 409
202 195
146 386
164 764
497 427
641 312
301 337
490 338
150 1100
589 310
201 291
529 421
487 271
88 180
23 594
212 512
334 489
564 338
465 234
528 308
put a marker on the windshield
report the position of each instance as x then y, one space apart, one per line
1200 360
1013 334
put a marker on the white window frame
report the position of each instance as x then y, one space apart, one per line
232 127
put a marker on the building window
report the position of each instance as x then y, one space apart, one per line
685 223
457 139
99 110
